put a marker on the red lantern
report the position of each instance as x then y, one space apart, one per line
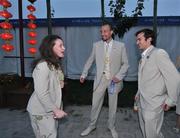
6 36
31 17
32 50
31 8
32 42
5 25
5 14
32 34
7 47
32 26
5 3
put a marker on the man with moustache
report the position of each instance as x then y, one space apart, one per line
111 67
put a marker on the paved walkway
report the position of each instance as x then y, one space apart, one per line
16 124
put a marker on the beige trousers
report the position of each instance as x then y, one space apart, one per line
97 102
151 123
44 126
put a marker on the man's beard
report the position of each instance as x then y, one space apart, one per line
104 39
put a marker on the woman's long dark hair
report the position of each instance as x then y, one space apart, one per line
46 52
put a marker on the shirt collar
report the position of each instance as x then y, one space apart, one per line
146 51
110 43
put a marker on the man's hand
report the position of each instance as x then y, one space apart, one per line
165 107
116 80
82 79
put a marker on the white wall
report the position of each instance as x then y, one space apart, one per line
78 42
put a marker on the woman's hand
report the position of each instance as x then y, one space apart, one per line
62 84
59 113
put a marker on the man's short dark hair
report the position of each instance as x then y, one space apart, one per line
148 33
105 22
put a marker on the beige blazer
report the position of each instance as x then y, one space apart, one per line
158 80
47 90
118 62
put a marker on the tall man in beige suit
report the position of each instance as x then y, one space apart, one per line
111 65
158 85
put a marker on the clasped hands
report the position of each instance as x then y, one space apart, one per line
58 113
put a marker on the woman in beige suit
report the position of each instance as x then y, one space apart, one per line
44 106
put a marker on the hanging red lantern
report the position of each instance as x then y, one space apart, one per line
6 36
32 25
31 8
32 42
32 50
8 47
5 14
5 25
32 34
5 3
31 17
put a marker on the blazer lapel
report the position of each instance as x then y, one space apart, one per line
112 53
101 52
142 62
145 59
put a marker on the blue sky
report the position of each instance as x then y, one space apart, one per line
92 8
